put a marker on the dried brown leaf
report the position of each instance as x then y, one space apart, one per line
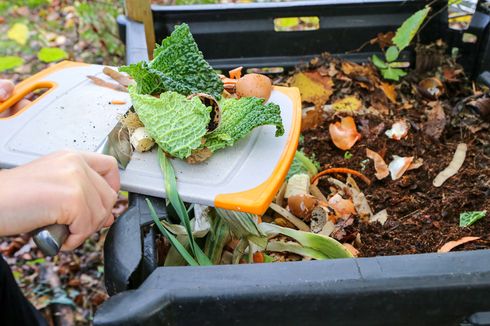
436 120
453 244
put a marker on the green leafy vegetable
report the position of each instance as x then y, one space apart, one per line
178 205
177 124
348 155
468 218
326 246
173 240
51 54
178 66
239 117
10 62
303 164
405 33
217 238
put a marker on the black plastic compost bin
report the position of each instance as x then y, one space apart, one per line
425 289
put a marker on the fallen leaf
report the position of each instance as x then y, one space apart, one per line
18 33
313 87
311 118
436 121
453 167
344 133
383 40
351 249
389 90
453 244
342 207
380 165
380 217
398 130
347 104
399 165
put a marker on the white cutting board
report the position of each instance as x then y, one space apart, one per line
77 114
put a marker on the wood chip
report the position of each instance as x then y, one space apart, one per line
100 82
453 167
122 79
453 244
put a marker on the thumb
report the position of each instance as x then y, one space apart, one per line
6 89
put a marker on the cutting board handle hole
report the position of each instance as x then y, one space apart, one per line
24 96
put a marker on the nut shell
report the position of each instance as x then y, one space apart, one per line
302 205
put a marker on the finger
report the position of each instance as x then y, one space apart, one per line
106 166
6 89
19 106
109 221
107 195
73 241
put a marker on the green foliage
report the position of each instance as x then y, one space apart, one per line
10 62
173 240
468 218
303 164
409 28
348 155
391 53
403 36
393 73
239 118
51 54
178 66
179 207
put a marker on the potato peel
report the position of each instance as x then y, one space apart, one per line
453 167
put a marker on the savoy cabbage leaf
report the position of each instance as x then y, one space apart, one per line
240 117
178 66
177 124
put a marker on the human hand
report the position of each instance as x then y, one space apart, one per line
6 90
73 188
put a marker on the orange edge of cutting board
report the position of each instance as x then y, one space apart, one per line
257 200
33 83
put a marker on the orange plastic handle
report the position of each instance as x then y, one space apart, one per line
257 200
22 90
33 83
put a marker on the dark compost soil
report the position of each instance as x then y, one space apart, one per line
421 217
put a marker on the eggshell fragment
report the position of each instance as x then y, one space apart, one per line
302 205
344 133
398 130
399 165
254 85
